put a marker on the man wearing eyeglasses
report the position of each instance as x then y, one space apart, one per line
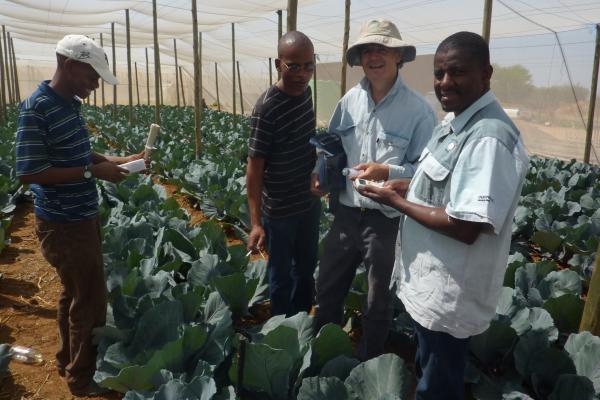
283 212
384 126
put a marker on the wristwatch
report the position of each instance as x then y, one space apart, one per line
87 172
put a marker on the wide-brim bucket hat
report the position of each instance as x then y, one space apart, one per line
383 32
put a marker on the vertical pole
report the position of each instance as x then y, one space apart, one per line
2 84
162 93
315 86
240 86
147 77
129 79
156 65
197 105
270 72
102 80
176 71
279 34
345 48
590 320
233 68
137 83
16 73
292 15
9 69
487 20
114 62
181 84
95 102
202 102
593 90
217 86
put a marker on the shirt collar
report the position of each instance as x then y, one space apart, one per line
48 91
459 122
398 85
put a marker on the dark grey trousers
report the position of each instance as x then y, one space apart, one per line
358 235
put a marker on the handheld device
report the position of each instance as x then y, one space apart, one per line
361 183
134 166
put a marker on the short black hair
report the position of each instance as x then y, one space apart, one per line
293 38
469 42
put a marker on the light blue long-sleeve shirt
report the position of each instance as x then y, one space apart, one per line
394 132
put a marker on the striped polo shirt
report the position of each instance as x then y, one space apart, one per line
281 127
52 133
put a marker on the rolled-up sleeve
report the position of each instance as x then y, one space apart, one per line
31 148
484 183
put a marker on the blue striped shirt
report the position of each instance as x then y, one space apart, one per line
52 133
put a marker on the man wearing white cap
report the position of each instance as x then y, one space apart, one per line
54 156
383 126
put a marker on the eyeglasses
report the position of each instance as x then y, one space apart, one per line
308 67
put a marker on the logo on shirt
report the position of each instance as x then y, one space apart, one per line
487 199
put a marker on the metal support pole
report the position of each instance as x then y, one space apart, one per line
217 87
593 90
233 68
176 72
2 84
114 62
315 86
147 77
487 20
270 71
292 15
345 48
156 65
9 67
16 73
102 80
181 84
240 86
197 105
129 79
590 320
137 83
279 34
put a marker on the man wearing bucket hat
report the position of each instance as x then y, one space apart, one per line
54 156
383 126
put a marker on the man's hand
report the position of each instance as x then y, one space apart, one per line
256 239
385 195
108 171
315 186
373 171
399 186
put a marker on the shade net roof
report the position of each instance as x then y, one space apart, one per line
552 39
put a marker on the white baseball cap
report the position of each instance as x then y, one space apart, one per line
83 49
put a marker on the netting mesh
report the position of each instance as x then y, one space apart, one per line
542 78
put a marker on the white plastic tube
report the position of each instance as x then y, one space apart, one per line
152 134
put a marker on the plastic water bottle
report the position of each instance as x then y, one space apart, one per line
350 172
26 355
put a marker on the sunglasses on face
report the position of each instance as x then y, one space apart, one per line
308 67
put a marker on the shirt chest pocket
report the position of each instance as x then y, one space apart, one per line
433 186
390 148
